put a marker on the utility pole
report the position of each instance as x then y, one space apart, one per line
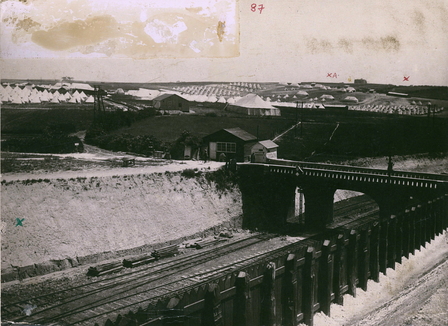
301 122
295 129
98 105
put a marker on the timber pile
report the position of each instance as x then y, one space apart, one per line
168 251
138 261
105 269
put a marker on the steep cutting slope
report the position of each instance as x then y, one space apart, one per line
71 221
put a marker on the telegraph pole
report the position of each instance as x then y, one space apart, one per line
301 122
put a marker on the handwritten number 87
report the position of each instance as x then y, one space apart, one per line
253 7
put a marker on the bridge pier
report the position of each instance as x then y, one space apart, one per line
318 205
267 200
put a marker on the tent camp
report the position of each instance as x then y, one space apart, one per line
252 104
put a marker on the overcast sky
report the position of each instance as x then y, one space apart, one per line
383 41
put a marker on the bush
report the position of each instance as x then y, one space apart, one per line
190 173
57 144
145 145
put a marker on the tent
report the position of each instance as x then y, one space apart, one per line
54 99
302 93
212 99
231 100
90 99
351 99
35 99
73 100
253 104
327 97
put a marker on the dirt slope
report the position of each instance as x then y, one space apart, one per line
67 219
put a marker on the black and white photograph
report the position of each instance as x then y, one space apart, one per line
224 162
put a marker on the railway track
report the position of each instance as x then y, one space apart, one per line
131 283
95 301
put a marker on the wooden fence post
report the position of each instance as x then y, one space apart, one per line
421 226
309 286
326 268
413 230
340 270
428 214
391 254
399 238
443 224
268 313
384 228
434 216
289 292
352 262
241 305
364 259
442 217
406 232
374 252
211 313
301 255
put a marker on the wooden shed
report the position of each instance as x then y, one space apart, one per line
171 102
263 150
232 143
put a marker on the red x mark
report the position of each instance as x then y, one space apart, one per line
406 78
329 75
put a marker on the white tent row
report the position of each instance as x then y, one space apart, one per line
34 96
395 109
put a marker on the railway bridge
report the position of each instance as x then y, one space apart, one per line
268 190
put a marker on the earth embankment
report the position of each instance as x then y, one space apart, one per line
53 224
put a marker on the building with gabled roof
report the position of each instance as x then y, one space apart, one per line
263 150
171 102
230 143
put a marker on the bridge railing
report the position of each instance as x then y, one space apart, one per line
346 168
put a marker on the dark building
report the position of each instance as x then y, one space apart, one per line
232 143
336 107
171 102
360 81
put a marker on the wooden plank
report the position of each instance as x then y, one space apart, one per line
289 292
374 252
392 233
352 262
268 300
406 233
364 258
309 286
422 218
340 274
412 230
325 287
241 306
383 245
399 238
212 313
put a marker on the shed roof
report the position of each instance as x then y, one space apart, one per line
268 144
240 133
